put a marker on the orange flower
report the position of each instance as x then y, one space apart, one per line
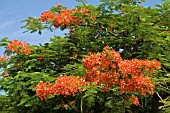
43 90
64 85
43 51
2 59
68 85
64 105
72 102
65 17
108 68
135 100
5 74
67 105
47 16
19 47
40 58
123 9
27 51
75 55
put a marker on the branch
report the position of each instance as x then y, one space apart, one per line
164 87
101 27
159 96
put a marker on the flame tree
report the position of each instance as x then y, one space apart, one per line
109 61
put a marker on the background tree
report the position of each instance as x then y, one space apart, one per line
124 25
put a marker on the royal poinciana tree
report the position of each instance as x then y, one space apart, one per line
114 59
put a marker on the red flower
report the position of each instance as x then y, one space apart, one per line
41 58
71 31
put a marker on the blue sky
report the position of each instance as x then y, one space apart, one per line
12 12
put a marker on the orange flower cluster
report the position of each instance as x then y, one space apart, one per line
5 57
135 100
138 81
68 85
2 59
43 90
19 47
65 17
41 58
108 68
5 74
64 85
101 68
66 105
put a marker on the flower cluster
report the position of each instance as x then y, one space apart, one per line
135 75
101 68
41 58
43 90
108 68
5 74
2 59
65 17
139 83
135 100
66 105
136 66
64 85
19 47
68 85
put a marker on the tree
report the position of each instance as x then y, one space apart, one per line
137 32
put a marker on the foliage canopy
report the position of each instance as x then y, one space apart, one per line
99 81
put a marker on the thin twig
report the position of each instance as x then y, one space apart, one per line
164 87
159 96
